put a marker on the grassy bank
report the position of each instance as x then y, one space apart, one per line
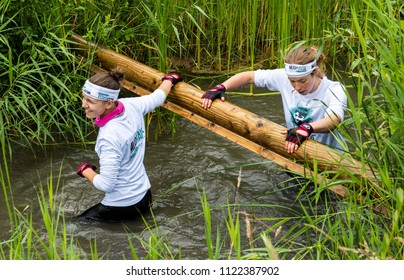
40 80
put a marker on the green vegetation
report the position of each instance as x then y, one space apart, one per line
40 78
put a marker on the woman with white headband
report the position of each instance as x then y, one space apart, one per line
312 104
120 146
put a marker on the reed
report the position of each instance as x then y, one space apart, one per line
155 247
212 253
37 102
207 32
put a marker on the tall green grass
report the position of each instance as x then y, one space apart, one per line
212 35
51 240
318 229
38 79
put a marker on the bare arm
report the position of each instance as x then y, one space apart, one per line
239 80
233 82
89 174
326 124
166 86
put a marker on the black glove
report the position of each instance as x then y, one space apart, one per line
173 77
299 134
215 92
83 166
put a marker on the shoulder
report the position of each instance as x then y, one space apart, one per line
128 100
336 89
332 84
131 103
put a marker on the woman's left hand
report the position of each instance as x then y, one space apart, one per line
296 136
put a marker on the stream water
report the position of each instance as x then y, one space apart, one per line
179 169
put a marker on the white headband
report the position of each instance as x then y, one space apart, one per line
297 70
100 93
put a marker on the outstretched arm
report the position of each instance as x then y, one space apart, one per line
233 82
240 79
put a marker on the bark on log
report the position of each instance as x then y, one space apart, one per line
246 124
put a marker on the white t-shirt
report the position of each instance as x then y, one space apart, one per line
121 147
328 99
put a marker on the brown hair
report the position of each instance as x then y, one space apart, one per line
303 55
111 80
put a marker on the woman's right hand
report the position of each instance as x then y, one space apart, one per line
212 94
83 166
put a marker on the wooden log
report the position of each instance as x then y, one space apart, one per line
234 119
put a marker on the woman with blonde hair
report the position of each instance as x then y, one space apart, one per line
313 105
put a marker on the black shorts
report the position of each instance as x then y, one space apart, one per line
104 213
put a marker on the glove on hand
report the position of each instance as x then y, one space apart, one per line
299 134
173 77
83 166
215 92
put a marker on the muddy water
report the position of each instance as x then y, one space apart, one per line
179 169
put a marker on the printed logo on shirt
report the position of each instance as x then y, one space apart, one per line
300 115
136 142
